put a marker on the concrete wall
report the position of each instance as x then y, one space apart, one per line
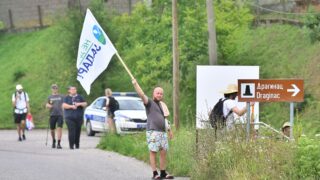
25 13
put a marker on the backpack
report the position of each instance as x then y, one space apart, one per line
113 104
216 117
24 94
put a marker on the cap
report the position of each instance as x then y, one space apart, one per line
54 86
19 87
286 124
232 88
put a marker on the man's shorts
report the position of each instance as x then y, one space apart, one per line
19 117
56 120
157 141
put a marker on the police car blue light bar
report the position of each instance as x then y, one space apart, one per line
133 94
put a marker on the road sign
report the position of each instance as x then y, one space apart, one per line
270 90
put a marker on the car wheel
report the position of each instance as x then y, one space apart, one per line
90 132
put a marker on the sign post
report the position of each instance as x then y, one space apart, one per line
291 119
248 121
271 90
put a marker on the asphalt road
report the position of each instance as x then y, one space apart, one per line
32 159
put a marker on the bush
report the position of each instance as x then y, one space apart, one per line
18 74
312 23
232 157
308 159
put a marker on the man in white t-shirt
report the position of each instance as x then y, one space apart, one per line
230 106
20 103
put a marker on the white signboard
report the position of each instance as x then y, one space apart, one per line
211 80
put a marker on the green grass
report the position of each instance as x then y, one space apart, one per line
34 59
283 52
135 145
233 157
229 157
180 154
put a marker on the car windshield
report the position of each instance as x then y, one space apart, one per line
125 104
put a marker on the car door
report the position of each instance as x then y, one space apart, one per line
98 115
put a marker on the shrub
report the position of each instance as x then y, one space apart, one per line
18 74
308 159
232 157
312 22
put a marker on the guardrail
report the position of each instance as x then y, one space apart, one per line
207 125
271 128
267 21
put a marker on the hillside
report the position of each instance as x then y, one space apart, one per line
284 51
36 60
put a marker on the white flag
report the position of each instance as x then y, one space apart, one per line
94 53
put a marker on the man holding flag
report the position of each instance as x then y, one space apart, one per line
94 54
157 137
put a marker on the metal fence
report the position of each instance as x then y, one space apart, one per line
283 11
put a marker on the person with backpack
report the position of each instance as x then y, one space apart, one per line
73 105
56 115
112 105
230 106
20 103
157 137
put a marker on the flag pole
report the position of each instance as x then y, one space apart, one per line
124 65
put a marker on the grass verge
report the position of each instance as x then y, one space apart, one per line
180 154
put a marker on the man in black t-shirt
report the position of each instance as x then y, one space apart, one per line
73 105
56 115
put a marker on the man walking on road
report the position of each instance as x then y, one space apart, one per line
20 103
157 137
73 105
56 115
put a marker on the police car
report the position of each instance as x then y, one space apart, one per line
131 116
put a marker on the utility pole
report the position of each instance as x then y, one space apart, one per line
213 57
175 52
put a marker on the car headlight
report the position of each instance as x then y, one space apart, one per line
125 119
